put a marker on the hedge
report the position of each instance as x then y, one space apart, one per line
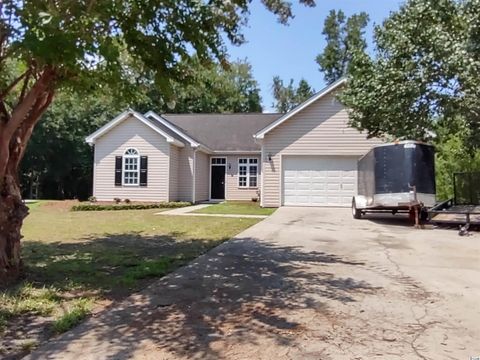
160 205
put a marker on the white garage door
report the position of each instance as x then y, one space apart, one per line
319 180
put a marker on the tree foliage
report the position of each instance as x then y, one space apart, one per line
425 68
288 96
452 155
211 89
345 37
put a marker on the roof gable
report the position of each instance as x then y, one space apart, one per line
126 115
260 134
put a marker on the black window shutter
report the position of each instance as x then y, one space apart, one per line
118 171
143 170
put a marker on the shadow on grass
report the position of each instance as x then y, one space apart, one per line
62 280
113 264
239 293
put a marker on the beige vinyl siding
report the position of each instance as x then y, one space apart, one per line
202 176
173 181
320 129
185 174
132 133
233 191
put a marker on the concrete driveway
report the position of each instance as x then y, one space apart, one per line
306 283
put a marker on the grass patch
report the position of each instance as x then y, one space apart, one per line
34 204
237 208
151 269
75 259
78 311
29 345
27 298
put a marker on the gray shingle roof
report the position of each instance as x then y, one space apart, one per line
230 132
164 129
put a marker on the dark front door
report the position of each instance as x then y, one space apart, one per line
218 182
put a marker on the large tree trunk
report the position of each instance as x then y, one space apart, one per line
12 213
15 132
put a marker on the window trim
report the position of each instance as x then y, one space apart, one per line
248 165
137 157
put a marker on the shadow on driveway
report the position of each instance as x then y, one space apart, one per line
242 291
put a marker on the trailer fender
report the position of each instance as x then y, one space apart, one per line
356 212
360 201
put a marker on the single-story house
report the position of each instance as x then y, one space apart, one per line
306 157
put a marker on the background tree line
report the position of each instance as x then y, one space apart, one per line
58 164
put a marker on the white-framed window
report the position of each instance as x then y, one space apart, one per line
131 167
247 172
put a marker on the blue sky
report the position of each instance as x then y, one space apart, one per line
290 51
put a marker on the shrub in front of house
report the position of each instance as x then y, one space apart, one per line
104 207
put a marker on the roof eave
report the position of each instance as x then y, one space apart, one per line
233 152
91 139
176 142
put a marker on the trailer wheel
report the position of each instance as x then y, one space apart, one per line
356 213
424 215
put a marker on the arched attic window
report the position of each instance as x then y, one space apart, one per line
131 167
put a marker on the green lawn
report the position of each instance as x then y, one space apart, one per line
35 204
75 261
237 207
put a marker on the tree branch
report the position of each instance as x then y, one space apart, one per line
39 108
4 112
29 111
24 87
23 108
90 5
14 83
3 37
25 131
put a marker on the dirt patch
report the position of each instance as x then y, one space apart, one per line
64 205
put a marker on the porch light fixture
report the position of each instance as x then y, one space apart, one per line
269 156
229 166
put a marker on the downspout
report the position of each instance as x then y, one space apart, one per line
92 145
194 175
262 159
261 176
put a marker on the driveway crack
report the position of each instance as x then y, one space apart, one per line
420 292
